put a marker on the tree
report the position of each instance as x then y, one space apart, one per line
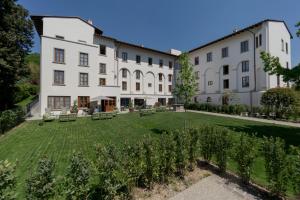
185 87
16 33
298 31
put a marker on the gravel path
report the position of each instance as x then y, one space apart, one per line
249 118
214 188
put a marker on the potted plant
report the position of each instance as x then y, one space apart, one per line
131 109
74 108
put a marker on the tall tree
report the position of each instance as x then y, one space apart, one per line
185 87
16 34
298 31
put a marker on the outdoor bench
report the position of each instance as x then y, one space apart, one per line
67 117
103 115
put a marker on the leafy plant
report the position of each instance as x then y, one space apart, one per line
294 168
7 180
193 135
41 184
148 151
207 142
276 165
180 157
245 152
77 177
222 146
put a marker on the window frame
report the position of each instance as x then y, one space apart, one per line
225 52
196 60
226 72
101 82
225 81
54 77
245 82
66 102
245 67
161 63
124 85
101 49
150 61
138 86
83 100
170 65
83 61
124 73
61 58
138 59
100 67
244 46
83 81
209 57
124 56
160 88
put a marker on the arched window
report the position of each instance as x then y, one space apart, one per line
208 100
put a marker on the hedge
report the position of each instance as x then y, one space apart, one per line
11 118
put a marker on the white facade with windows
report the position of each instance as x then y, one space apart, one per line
79 63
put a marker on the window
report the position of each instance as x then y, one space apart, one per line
83 79
83 101
170 77
102 81
170 88
245 66
138 59
287 48
244 46
196 60
208 99
209 57
160 76
59 77
260 39
197 75
282 45
124 85
124 73
256 41
149 84
278 80
224 52
170 64
102 49
225 69
161 62
138 75
245 81
102 69
287 65
59 102
124 56
160 87
210 83
59 55
60 37
83 59
137 86
149 61
226 83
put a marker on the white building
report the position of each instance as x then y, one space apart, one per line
79 63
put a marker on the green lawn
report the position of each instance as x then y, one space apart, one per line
28 142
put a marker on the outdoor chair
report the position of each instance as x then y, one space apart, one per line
48 116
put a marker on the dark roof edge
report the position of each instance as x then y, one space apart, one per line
240 31
37 19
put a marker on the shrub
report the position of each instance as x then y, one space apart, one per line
245 152
207 142
41 184
112 179
193 136
165 157
179 138
222 146
77 177
10 119
276 165
281 101
149 164
7 180
294 168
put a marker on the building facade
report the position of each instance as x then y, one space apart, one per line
79 63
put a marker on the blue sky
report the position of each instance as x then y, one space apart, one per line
165 24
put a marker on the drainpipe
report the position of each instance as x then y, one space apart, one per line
254 66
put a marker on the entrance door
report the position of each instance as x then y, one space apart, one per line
108 105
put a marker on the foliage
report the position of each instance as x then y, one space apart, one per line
294 168
112 179
7 180
10 119
165 156
24 90
236 109
276 165
180 157
207 142
185 87
16 34
281 101
222 147
78 176
33 63
273 66
149 163
298 31
193 136
74 108
41 184
245 152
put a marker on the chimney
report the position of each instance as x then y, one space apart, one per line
90 22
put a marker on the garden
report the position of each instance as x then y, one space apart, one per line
92 159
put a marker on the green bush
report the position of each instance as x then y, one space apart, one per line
228 109
7 180
294 168
281 101
193 136
245 152
77 178
24 90
180 155
11 118
149 162
222 147
41 184
276 165
207 142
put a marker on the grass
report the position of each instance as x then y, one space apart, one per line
26 101
30 141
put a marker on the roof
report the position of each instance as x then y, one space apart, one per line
37 20
241 31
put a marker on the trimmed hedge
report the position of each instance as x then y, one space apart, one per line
228 109
11 118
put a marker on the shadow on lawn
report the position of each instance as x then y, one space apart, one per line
291 135
158 131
